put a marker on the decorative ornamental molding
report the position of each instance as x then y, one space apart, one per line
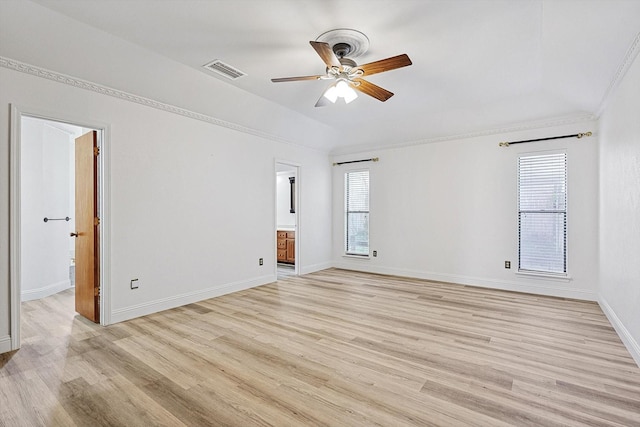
105 90
630 56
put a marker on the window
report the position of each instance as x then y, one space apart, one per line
542 213
357 213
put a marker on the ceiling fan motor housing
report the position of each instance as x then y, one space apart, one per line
342 49
346 62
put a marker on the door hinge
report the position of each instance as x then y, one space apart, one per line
96 151
96 292
96 221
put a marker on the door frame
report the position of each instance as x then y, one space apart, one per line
15 188
295 167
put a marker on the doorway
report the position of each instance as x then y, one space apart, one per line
43 204
287 214
47 200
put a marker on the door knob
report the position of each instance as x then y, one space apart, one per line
74 234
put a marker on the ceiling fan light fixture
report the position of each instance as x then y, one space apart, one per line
345 91
341 89
350 96
331 94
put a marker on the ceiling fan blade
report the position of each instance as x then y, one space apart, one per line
372 90
385 64
326 53
295 79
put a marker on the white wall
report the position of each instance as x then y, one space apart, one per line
620 210
448 211
175 226
45 179
284 218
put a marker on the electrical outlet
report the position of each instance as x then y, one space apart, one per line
135 284
375 254
260 261
507 264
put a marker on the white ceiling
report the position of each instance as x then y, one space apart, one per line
478 65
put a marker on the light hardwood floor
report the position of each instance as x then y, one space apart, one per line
331 348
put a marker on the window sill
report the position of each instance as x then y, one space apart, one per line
546 276
356 256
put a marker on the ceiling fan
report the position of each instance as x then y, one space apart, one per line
348 75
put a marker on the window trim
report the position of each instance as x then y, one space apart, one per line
346 221
562 276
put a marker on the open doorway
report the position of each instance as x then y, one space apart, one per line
46 168
47 200
59 213
287 211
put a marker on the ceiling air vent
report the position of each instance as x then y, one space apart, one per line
226 70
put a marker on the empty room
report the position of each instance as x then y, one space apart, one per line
319 213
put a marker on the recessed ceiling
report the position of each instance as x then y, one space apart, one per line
478 65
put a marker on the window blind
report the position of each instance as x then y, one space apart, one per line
357 213
542 213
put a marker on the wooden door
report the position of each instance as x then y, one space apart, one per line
87 229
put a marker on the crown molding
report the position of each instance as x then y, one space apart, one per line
627 61
105 90
560 121
624 66
44 73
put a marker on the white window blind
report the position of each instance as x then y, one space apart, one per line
357 213
542 213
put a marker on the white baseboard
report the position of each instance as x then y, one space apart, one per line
150 307
308 269
45 291
624 334
5 344
542 288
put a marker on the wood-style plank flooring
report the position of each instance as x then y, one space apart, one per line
333 348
